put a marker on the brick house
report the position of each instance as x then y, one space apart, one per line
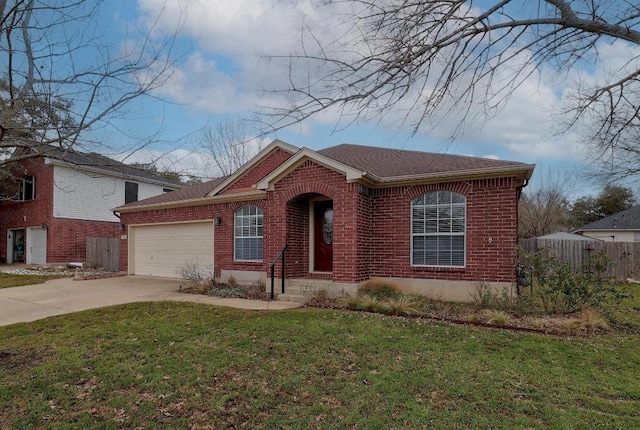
431 223
63 197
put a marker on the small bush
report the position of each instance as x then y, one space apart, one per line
232 282
202 287
486 297
198 275
497 317
403 305
558 290
589 320
379 290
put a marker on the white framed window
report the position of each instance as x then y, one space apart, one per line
27 189
248 239
438 229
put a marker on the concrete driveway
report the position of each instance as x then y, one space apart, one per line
63 296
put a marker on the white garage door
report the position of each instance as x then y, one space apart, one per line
160 250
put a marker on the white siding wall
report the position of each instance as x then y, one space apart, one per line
88 196
611 235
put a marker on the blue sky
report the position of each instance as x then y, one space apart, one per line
223 74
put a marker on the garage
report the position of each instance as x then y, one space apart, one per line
161 249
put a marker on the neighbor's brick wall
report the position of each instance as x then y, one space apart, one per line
67 238
491 213
33 213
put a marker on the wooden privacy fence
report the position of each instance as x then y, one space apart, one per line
625 256
104 252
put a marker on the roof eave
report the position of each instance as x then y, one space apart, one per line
111 173
277 143
223 198
304 154
522 172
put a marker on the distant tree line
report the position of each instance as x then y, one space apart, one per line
549 209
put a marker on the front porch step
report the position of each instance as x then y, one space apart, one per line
297 293
297 298
302 290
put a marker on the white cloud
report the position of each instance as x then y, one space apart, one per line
227 73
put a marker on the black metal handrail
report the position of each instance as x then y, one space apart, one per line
272 267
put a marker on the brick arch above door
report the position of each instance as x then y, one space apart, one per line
310 188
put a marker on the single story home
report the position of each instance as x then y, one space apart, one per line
623 226
431 223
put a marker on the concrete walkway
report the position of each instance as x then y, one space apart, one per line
63 296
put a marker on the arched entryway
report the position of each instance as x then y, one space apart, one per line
310 235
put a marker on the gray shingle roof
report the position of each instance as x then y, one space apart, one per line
388 163
628 219
113 167
190 192
381 162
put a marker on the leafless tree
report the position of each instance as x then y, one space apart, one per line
428 59
544 208
230 143
64 75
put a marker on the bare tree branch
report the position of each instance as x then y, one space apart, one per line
62 78
429 60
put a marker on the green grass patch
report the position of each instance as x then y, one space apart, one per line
626 313
8 280
187 365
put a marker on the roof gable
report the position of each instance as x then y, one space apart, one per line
383 167
300 158
230 180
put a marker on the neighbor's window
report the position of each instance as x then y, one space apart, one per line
438 225
248 234
27 188
130 192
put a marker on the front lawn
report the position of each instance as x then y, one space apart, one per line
193 366
8 280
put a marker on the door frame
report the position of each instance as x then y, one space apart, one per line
312 238
29 253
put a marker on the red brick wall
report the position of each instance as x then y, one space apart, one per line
313 179
66 238
33 213
372 232
223 234
491 213
254 175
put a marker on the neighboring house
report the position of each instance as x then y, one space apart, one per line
568 236
431 223
65 197
623 226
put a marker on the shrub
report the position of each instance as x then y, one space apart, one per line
403 305
589 320
558 290
198 275
486 297
379 290
496 317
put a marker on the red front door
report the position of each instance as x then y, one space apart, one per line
323 236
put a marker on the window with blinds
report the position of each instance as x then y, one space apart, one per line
438 229
248 240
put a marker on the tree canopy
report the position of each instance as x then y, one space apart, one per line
429 59
63 75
